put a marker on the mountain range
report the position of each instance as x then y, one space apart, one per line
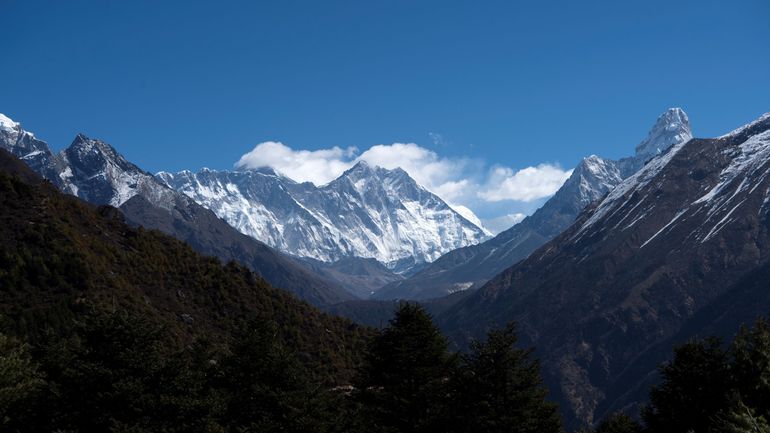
673 251
628 258
469 267
368 212
62 259
94 171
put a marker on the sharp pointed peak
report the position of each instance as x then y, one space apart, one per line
671 127
8 123
81 138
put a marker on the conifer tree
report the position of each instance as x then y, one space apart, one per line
268 388
21 386
618 423
738 418
696 385
499 389
750 370
403 384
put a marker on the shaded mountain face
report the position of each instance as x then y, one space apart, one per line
357 275
94 171
633 271
367 212
469 267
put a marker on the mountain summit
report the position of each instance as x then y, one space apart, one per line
368 212
680 248
94 171
470 267
672 127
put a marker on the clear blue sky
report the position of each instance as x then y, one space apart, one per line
186 84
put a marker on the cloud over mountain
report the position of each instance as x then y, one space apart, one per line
463 182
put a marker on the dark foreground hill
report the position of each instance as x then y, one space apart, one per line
59 254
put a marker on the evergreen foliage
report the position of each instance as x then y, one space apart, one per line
619 423
708 387
403 383
499 389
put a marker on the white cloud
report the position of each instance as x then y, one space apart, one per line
317 166
527 184
503 222
443 176
466 183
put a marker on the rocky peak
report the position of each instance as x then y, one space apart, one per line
91 154
7 124
672 127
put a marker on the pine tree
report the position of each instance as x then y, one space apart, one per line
403 384
750 352
738 418
499 389
618 423
21 386
696 385
268 388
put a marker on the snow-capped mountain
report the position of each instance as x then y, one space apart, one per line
678 249
94 171
35 153
90 169
470 267
99 174
368 212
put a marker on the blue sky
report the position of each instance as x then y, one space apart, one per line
481 86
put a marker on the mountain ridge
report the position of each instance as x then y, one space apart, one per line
635 268
470 267
95 171
368 212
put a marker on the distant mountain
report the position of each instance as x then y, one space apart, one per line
679 248
470 267
357 275
367 212
94 171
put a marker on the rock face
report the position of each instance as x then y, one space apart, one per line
94 171
469 267
667 253
367 212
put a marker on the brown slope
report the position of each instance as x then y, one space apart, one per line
630 273
59 254
211 235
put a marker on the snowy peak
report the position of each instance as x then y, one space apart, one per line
376 181
91 155
368 212
672 127
359 170
594 177
7 124
35 153
13 131
99 174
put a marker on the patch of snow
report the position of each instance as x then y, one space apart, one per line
460 287
470 216
737 131
7 124
673 220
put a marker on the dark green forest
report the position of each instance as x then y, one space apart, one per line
107 328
